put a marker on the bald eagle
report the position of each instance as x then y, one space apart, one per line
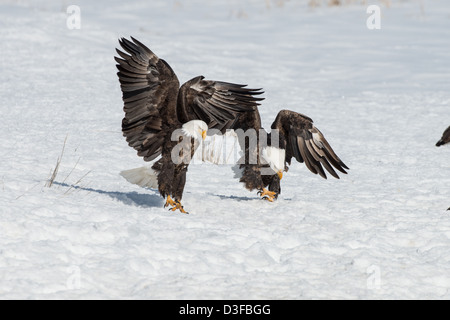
160 115
292 135
445 138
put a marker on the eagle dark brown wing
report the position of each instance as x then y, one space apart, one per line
445 138
217 103
307 144
149 92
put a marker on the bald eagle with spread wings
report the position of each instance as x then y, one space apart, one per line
160 115
157 108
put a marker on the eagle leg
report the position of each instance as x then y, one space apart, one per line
169 202
176 205
267 195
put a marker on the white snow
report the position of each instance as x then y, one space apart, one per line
380 97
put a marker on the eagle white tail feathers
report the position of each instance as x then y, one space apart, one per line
143 177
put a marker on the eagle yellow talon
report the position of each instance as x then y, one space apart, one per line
169 202
176 205
267 195
179 207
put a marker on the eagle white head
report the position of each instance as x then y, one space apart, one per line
275 157
196 129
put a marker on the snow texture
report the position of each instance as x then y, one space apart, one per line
380 97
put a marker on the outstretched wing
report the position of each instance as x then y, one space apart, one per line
445 138
217 103
307 144
149 92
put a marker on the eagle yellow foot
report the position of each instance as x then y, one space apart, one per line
169 202
267 195
175 204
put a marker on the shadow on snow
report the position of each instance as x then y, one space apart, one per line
224 197
128 198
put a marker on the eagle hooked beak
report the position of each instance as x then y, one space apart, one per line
204 134
280 174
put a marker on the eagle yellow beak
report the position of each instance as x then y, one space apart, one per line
280 174
204 134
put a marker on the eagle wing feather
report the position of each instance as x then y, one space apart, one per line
307 144
147 84
217 103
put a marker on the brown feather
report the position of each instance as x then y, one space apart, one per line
299 132
445 138
219 101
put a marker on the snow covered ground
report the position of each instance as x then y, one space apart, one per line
381 98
